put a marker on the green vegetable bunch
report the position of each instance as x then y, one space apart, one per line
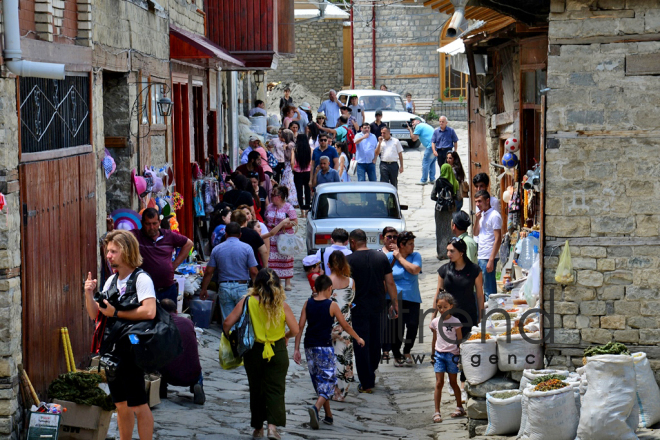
609 348
540 379
81 388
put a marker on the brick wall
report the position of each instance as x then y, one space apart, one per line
318 64
407 39
601 168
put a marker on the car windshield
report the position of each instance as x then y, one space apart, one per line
373 103
357 205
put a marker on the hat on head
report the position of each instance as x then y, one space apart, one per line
311 260
305 106
320 114
461 220
379 112
253 138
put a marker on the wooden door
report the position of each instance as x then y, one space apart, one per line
59 248
477 147
182 163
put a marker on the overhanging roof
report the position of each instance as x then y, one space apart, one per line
196 49
494 20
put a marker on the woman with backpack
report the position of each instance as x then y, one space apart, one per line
444 194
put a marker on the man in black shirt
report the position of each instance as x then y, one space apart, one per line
238 195
251 237
377 124
372 273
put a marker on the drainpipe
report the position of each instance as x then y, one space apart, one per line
352 50
458 23
373 45
12 53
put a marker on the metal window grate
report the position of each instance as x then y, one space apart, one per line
54 113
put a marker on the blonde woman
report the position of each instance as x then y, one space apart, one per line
266 364
344 292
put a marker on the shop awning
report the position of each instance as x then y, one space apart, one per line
196 49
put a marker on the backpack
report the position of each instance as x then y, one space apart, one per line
444 200
272 161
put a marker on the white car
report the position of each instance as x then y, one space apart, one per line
370 206
394 112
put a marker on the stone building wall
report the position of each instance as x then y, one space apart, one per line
407 39
601 169
318 63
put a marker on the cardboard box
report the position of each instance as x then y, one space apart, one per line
153 390
83 422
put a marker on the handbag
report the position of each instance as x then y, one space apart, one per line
352 167
465 189
290 244
244 330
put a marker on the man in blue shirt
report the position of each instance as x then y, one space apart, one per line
443 141
365 146
424 132
331 109
236 265
324 150
323 173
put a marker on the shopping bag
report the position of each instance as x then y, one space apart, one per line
564 274
290 244
227 359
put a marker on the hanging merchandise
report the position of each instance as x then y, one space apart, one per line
126 219
509 160
108 164
197 171
3 201
511 145
177 201
139 183
174 224
564 274
198 198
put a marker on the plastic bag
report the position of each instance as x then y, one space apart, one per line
648 393
564 274
477 365
503 414
609 402
227 359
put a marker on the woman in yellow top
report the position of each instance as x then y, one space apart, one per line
266 364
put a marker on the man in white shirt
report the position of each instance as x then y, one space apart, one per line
259 109
365 147
339 243
488 227
252 143
390 150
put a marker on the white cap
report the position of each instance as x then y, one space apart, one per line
253 138
305 106
311 260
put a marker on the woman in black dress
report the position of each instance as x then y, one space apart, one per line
462 278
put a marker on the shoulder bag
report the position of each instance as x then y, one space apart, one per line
290 244
244 330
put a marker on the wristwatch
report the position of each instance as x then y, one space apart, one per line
115 314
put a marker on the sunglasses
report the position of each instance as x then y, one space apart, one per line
391 237
455 240
275 195
323 140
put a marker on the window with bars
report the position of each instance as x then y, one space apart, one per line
54 114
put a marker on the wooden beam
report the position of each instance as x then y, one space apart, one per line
502 119
55 154
473 70
431 3
604 134
633 38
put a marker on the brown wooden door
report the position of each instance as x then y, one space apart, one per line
59 247
478 151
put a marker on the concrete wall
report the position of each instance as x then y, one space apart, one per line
601 168
318 64
407 39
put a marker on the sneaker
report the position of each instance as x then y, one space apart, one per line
313 417
328 420
198 394
430 182
420 183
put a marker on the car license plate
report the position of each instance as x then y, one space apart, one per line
372 239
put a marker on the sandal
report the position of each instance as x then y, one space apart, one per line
386 356
460 412
400 362
437 418
366 391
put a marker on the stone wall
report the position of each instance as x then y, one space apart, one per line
601 167
318 63
407 39
11 353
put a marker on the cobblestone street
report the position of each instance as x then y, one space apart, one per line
402 403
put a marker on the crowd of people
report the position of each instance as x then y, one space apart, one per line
364 304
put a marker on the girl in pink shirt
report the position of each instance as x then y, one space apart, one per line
446 353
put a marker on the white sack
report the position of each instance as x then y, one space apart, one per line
610 398
486 369
648 393
503 414
519 354
551 415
